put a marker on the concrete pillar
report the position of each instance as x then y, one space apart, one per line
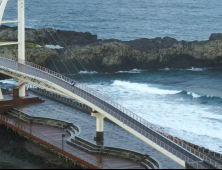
99 127
1 96
21 85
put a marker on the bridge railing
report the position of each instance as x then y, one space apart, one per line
43 72
65 150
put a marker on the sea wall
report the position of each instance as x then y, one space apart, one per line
113 55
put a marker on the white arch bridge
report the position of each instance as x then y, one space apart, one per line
27 72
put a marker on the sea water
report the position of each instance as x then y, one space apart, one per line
125 19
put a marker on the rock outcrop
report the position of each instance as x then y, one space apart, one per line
48 36
84 51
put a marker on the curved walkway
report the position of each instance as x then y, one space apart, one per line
55 134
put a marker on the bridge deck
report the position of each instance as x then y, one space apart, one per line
55 134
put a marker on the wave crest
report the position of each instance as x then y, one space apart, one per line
8 81
88 72
200 96
144 88
131 71
191 69
196 69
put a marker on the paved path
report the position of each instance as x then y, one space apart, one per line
55 134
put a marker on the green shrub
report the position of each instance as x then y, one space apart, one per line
11 47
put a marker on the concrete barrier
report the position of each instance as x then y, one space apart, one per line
143 159
44 121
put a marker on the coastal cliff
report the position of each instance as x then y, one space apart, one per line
113 55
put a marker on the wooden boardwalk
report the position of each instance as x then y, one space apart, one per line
54 135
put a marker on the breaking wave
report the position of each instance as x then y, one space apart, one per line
88 72
131 71
144 88
191 69
196 69
8 81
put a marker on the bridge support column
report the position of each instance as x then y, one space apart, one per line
21 85
99 127
1 96
21 31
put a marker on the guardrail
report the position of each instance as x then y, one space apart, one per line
114 151
53 144
89 95
42 120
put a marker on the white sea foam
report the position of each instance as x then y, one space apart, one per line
144 88
53 46
131 71
166 69
88 72
210 96
179 99
8 81
194 95
196 69
191 69
38 46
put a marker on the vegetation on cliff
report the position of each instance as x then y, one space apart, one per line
113 55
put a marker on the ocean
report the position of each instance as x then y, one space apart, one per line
125 19
184 102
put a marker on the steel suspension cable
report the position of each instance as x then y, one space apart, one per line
67 57
60 58
40 54
78 60
49 55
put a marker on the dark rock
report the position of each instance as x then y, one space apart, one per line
215 36
145 44
111 55
48 36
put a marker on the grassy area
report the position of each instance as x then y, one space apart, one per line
11 47
30 45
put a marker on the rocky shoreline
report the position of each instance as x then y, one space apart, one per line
84 49
18 152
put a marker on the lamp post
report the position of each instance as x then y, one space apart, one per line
31 121
63 135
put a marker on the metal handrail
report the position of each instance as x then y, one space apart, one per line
100 96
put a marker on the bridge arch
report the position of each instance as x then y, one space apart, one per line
21 34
